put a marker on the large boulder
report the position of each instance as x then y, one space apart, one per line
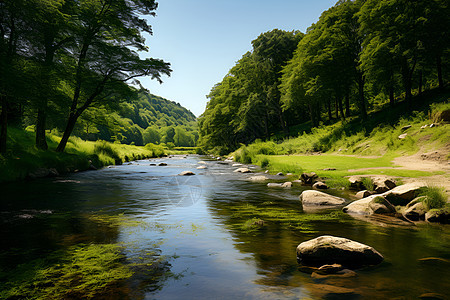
360 207
400 195
336 250
356 183
379 205
403 194
308 178
438 215
316 198
415 212
383 184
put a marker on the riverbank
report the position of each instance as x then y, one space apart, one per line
23 160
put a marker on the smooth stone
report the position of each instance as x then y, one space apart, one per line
162 164
379 205
316 198
355 182
415 212
258 178
242 170
319 185
236 165
202 167
186 173
280 185
363 194
329 269
402 136
280 174
202 162
330 250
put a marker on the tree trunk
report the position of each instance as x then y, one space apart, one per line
420 82
439 71
336 110
341 107
41 141
347 105
4 124
362 101
330 115
67 132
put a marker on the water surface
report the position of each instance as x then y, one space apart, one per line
195 227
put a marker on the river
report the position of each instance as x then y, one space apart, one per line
197 232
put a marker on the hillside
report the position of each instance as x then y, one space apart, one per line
145 118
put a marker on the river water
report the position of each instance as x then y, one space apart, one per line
197 229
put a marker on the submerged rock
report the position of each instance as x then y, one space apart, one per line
336 250
162 164
280 185
316 198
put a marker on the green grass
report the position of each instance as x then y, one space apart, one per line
23 157
434 197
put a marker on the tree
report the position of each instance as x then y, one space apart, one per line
102 58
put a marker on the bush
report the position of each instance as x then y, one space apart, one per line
157 150
434 197
103 147
368 183
242 155
264 163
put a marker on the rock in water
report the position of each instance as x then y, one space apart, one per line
316 198
319 185
336 250
242 170
309 178
186 173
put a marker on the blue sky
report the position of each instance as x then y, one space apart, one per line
203 39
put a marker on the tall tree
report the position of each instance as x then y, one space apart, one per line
107 35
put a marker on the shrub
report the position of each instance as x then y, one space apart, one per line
103 147
368 183
434 197
242 155
264 163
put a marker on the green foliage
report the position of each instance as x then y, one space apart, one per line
157 150
368 183
434 197
23 157
243 155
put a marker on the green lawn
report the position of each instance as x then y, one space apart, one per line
317 163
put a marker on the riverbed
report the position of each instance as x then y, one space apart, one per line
200 237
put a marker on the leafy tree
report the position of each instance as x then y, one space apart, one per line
102 58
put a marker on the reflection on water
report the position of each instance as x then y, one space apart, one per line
212 235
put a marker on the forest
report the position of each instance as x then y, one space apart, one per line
359 55
72 68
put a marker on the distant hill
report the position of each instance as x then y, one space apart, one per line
144 119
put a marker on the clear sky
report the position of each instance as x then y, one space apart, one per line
203 39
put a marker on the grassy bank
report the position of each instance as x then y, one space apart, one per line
23 157
347 145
